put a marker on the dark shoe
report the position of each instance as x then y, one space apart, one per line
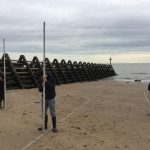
40 129
3 104
54 124
55 130
46 121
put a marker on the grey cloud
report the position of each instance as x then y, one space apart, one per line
81 26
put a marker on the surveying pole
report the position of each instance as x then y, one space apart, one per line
43 100
4 62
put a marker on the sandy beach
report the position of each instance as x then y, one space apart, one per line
99 115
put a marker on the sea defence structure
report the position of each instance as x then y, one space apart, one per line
25 74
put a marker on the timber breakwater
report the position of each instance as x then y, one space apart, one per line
25 74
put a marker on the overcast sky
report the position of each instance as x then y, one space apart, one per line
77 27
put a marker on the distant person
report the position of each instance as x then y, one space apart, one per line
149 89
1 91
49 99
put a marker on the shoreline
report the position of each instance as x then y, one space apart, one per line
132 81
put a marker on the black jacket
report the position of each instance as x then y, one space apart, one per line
49 88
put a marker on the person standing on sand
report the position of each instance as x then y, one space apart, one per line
149 89
1 91
49 99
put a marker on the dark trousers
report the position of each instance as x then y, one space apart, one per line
1 99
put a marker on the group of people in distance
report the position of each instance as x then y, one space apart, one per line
49 97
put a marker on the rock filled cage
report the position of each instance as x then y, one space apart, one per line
21 74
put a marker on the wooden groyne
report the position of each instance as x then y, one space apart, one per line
25 74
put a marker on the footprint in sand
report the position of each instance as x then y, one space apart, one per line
116 146
78 128
24 113
40 145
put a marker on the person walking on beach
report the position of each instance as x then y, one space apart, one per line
49 99
1 91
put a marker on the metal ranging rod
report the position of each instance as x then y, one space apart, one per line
43 100
4 73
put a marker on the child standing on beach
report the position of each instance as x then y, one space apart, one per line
49 99
1 91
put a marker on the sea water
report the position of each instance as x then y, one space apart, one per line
132 72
